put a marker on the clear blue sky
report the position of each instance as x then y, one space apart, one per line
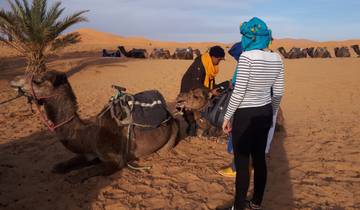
218 20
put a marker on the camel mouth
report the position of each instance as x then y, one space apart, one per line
18 82
16 85
180 108
180 105
180 101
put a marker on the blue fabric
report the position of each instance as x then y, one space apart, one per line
255 35
230 148
235 51
233 79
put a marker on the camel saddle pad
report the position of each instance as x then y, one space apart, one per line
149 108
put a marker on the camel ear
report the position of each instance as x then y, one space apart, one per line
59 79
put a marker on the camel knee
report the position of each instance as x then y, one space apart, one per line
109 168
113 160
172 140
74 163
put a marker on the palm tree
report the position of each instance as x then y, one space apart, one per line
35 31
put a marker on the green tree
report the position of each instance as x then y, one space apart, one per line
36 30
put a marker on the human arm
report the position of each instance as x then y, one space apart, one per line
242 79
278 90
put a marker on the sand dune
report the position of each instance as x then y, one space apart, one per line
316 166
92 40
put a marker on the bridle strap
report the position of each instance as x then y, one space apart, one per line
51 126
38 98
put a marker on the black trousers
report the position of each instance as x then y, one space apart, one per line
249 135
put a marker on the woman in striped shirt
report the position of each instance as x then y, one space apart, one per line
252 108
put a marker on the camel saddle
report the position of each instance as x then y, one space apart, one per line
149 108
145 109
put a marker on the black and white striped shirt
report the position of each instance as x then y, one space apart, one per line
257 72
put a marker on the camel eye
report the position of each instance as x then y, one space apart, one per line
37 82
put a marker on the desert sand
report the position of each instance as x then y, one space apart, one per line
315 166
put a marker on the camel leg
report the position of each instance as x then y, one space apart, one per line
175 129
214 132
110 163
74 163
102 169
211 131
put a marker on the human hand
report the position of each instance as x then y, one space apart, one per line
215 91
230 85
226 126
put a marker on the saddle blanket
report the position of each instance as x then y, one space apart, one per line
149 108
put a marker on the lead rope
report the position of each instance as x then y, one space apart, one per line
127 146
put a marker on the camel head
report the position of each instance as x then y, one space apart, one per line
356 49
310 51
283 52
44 85
193 100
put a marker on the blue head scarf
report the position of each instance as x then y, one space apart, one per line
255 34
235 51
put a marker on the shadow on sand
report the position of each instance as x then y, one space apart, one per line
14 66
279 192
26 181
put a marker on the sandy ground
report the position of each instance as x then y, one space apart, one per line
316 166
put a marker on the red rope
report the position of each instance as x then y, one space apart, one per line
51 126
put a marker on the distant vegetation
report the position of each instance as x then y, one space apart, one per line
35 30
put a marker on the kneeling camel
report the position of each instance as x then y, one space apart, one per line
106 144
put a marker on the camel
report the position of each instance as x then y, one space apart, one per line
160 54
138 53
197 53
356 49
197 101
319 52
183 53
105 53
283 52
342 52
134 53
106 144
293 53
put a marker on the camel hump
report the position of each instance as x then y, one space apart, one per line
149 108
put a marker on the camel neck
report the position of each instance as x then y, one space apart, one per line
60 109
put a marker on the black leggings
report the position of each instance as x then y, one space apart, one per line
249 136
